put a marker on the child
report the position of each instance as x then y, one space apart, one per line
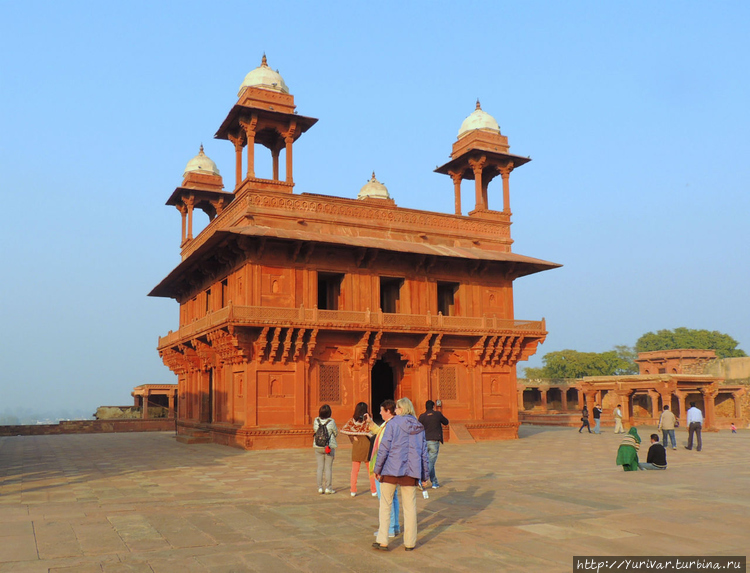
734 428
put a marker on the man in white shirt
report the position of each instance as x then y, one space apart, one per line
695 422
618 420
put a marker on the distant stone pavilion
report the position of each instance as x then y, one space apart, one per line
290 301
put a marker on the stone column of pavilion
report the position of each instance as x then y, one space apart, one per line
543 395
172 399
264 114
203 188
709 398
681 395
481 153
737 396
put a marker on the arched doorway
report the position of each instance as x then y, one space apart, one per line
382 387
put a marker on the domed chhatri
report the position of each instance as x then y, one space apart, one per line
479 119
201 164
265 78
373 189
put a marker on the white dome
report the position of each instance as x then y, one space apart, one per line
479 120
202 164
373 189
265 78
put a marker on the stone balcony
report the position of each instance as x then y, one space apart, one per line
301 317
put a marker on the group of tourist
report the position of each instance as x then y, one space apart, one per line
627 453
400 454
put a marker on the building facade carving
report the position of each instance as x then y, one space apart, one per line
288 301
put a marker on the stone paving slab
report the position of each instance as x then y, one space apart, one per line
132 503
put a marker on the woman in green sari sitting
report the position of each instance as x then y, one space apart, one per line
627 453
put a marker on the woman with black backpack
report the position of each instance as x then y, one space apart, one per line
324 445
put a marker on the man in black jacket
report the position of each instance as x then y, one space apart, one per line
657 456
433 423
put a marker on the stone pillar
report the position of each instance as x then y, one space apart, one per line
189 202
624 399
505 173
590 402
146 395
519 396
736 395
681 403
543 395
654 396
564 398
171 397
456 190
183 211
275 156
477 166
238 142
249 127
289 140
709 397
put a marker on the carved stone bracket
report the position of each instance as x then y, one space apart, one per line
311 344
375 348
475 354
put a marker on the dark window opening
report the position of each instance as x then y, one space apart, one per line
390 294
329 291
208 301
446 294
383 387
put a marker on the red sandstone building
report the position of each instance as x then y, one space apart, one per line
288 301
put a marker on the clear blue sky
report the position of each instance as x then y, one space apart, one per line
635 115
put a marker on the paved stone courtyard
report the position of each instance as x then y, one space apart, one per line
119 503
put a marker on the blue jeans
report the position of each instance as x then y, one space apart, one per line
393 528
665 434
433 449
648 466
597 421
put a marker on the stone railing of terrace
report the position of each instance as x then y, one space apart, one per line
353 320
493 227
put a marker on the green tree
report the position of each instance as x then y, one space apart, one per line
724 345
627 354
574 364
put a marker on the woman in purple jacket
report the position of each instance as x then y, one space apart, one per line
402 460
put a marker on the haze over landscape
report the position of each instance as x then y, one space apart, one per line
635 116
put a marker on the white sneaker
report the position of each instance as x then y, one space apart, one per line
320 490
330 491
354 494
374 494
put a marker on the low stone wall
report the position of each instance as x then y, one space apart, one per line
90 427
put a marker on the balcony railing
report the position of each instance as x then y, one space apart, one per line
347 319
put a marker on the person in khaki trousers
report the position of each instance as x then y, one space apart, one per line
402 461
667 424
619 429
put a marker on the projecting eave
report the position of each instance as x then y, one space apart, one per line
200 194
521 265
230 123
461 161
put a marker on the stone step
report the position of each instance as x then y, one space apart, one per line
190 439
458 434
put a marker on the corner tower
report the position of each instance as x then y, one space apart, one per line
264 114
481 153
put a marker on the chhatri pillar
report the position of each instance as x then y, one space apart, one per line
264 114
480 154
